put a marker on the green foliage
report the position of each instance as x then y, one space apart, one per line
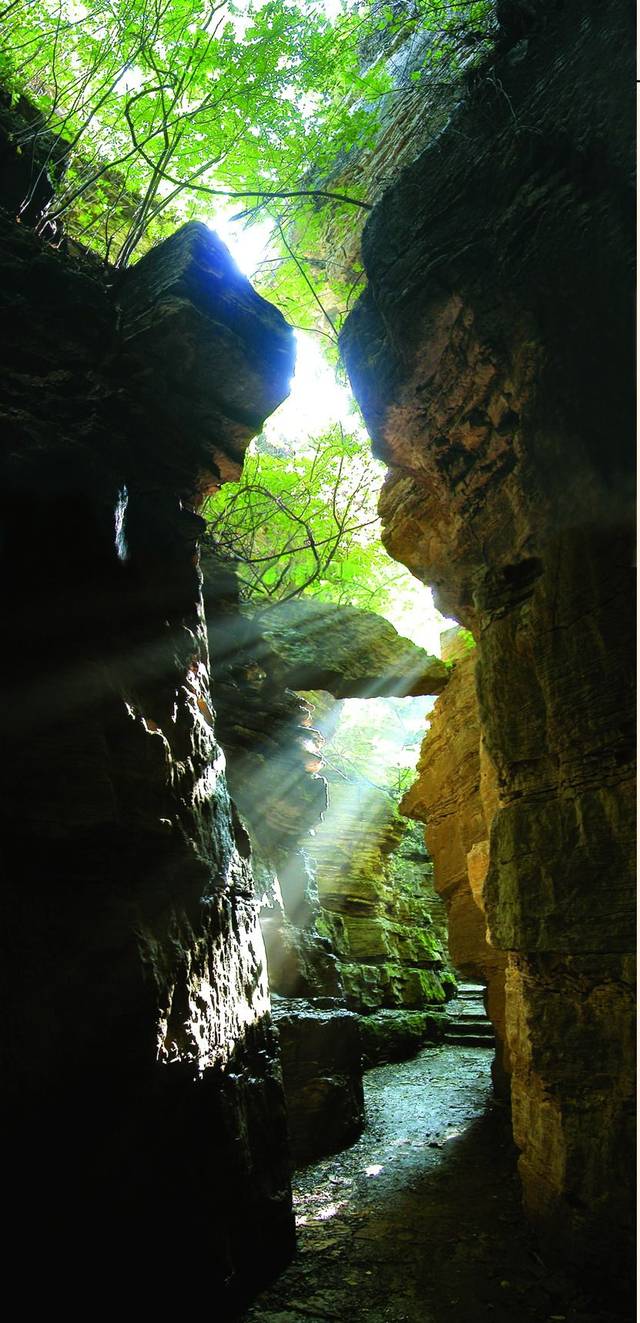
466 639
154 112
307 523
173 102
168 107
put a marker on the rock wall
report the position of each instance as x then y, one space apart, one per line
492 357
455 795
143 1100
376 910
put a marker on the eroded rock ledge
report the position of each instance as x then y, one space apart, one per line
491 354
349 652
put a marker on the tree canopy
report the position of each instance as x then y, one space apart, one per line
166 110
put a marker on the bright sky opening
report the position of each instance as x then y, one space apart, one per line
316 402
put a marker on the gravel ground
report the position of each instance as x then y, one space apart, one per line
420 1221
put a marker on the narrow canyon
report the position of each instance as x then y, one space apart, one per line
228 963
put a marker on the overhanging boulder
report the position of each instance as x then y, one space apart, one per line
347 651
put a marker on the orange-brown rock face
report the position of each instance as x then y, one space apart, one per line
455 796
491 354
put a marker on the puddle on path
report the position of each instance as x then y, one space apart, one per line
420 1221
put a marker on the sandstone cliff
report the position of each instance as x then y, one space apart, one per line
455 796
491 354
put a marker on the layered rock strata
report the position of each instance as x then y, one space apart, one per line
375 905
491 354
455 795
141 1077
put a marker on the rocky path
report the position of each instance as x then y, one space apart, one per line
420 1221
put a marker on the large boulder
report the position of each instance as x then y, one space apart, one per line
210 357
322 1073
140 1067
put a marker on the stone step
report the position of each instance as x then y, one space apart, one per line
481 1028
467 1023
471 1041
463 1022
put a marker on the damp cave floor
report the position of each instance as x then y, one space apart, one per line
420 1221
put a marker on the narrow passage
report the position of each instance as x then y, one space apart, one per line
420 1221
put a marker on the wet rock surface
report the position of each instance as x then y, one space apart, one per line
420 1222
